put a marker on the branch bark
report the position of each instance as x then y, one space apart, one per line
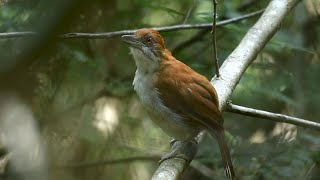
234 67
254 41
272 116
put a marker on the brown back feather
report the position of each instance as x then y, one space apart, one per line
192 96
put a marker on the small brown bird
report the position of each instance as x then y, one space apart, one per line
178 99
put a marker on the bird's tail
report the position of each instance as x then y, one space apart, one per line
225 154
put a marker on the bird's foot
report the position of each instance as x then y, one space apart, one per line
173 141
179 150
174 155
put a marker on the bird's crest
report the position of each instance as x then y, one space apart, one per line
151 32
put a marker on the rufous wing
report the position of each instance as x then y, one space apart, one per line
193 97
190 95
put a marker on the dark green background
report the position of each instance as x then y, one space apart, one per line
86 110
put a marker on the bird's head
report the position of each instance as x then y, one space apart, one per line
147 47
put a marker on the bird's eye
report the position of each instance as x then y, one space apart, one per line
149 41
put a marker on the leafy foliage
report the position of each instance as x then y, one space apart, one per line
80 89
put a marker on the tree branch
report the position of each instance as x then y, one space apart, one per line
123 32
214 41
189 12
18 34
253 42
172 168
234 67
272 116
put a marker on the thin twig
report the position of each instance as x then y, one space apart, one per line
18 34
189 13
309 171
272 116
187 16
214 42
123 32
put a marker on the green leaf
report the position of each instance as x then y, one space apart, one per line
169 10
207 16
289 45
277 95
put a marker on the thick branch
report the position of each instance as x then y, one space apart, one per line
254 41
235 65
272 116
173 168
123 32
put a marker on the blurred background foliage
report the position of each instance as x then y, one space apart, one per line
80 94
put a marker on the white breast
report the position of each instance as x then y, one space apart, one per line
147 92
169 121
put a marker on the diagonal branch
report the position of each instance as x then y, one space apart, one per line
254 41
272 116
234 67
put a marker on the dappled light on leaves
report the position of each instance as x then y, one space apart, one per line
286 132
20 135
258 137
71 100
107 116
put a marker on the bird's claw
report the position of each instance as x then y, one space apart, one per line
173 155
172 142
178 150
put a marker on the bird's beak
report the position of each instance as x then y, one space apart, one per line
132 40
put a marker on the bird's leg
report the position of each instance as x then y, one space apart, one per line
173 141
181 149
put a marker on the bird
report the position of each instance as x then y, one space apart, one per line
179 100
